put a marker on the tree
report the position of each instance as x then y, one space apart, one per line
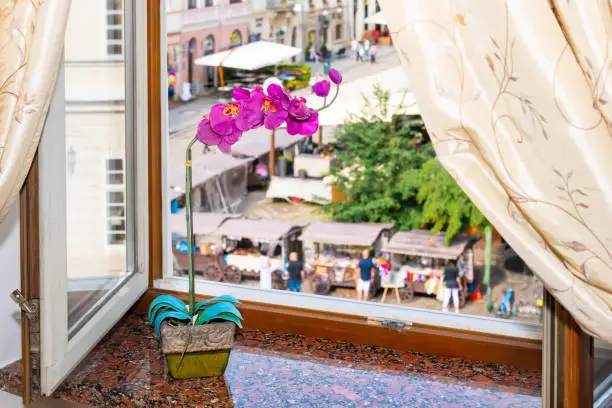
388 173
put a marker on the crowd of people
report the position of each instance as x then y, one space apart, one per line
363 50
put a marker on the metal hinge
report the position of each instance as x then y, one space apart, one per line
29 308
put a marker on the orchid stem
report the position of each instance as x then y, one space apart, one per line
327 105
189 227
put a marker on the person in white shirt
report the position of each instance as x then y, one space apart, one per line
354 49
265 273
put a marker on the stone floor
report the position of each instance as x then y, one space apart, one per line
269 369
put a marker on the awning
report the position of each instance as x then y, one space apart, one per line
203 168
337 233
309 190
203 223
422 243
352 97
377 18
259 230
250 56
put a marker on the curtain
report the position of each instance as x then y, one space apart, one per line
31 44
516 97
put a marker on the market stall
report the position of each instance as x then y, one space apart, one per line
208 256
312 165
334 249
419 258
245 239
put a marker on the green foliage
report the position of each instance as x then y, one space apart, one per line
388 173
166 307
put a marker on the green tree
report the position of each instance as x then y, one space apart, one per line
388 173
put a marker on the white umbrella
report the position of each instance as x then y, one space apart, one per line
352 97
250 56
377 18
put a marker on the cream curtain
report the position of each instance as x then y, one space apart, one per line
31 44
516 96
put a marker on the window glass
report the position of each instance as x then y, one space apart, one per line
367 183
96 119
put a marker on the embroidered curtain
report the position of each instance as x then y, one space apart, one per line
31 44
516 96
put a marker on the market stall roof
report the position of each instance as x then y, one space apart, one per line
256 142
337 233
204 167
250 56
203 223
352 96
422 243
376 18
260 229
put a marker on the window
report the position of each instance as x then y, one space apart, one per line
208 3
338 31
235 1
115 183
114 32
192 4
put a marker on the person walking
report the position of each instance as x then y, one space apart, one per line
265 274
453 283
296 269
354 49
366 46
365 276
360 53
373 53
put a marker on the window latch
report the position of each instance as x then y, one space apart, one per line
390 324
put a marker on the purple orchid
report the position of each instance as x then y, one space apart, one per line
301 119
265 109
335 76
229 119
207 135
322 88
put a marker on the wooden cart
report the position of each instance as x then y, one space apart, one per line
421 244
351 238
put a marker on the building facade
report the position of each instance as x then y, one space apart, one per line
201 27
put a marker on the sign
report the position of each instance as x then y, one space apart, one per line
235 39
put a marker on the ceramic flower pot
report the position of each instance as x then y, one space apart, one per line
207 352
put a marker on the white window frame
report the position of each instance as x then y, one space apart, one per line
60 352
482 324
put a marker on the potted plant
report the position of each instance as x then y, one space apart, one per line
283 165
302 173
197 337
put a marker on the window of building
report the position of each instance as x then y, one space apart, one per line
114 32
235 1
115 202
192 4
338 31
208 3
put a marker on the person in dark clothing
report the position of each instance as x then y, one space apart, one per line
295 269
365 276
453 283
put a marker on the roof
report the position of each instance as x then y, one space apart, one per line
203 223
422 243
204 167
362 234
262 229
250 56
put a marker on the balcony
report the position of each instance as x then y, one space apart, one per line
280 5
216 14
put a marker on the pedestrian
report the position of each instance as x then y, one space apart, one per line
366 46
453 283
265 274
296 269
354 48
373 53
366 267
360 53
313 53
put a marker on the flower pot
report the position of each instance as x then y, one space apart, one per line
207 352
282 168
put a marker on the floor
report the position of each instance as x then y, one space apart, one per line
268 369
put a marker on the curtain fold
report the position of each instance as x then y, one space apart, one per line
516 97
31 44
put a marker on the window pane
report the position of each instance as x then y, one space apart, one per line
96 141
371 171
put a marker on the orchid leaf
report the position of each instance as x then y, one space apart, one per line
211 312
225 298
229 317
169 314
165 301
